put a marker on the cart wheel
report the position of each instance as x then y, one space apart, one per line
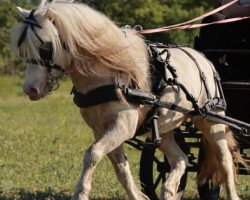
153 169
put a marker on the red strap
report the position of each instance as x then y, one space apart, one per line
191 26
187 25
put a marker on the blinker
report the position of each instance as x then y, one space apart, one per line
46 51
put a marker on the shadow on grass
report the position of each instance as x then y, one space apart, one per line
22 194
48 194
244 197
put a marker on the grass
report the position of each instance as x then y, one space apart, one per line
42 144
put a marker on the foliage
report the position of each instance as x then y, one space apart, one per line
7 19
155 13
147 13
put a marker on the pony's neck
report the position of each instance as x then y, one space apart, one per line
86 83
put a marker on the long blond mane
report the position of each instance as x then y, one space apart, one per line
92 40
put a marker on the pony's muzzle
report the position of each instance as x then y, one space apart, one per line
32 92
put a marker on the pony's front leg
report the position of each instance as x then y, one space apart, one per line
123 173
118 131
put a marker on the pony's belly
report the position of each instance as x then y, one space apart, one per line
169 120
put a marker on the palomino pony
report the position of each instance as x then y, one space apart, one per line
63 37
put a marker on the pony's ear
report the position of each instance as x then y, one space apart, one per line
23 12
43 3
50 15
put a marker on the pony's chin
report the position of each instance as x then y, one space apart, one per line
45 91
34 98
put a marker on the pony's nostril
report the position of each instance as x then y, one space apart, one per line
33 91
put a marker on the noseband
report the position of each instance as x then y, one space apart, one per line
45 53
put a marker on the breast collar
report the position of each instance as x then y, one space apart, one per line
94 97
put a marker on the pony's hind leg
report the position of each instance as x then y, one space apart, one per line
178 162
123 173
218 164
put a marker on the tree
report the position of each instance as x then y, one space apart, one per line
147 13
9 63
155 13
7 19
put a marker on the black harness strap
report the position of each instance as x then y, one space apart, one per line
202 75
31 22
222 103
218 81
212 103
47 64
160 66
152 100
97 96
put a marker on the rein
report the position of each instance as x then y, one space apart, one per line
189 24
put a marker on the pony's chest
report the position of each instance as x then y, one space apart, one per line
99 117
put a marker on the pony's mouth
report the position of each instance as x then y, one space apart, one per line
33 97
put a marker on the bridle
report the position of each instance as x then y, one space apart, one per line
45 53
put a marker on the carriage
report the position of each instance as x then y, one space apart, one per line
236 88
124 87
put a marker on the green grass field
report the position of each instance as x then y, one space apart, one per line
42 144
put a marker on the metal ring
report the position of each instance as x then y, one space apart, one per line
138 27
175 87
127 27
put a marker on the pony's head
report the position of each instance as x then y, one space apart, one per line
37 40
60 34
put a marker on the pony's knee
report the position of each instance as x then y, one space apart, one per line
180 163
93 155
185 160
178 168
183 163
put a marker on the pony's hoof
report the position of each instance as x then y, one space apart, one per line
80 197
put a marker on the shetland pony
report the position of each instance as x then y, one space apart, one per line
95 52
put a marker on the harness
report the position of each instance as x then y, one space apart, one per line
160 80
163 75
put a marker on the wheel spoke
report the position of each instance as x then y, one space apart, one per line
159 178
